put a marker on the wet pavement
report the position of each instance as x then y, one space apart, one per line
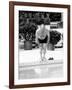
30 66
41 71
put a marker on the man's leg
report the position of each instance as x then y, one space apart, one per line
41 49
44 51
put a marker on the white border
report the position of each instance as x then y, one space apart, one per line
16 29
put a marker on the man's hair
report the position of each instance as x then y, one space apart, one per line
42 23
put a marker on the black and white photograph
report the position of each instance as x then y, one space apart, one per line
41 44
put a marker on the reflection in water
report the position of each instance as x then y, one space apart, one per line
44 71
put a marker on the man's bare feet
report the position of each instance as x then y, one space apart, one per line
43 60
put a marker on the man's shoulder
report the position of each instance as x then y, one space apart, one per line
38 31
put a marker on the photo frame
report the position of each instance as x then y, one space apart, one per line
25 69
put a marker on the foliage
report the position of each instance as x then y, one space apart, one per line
55 36
29 31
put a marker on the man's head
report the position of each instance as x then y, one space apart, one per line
42 26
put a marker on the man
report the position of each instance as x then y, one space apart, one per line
42 39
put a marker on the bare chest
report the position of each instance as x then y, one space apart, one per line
42 34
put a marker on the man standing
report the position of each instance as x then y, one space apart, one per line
42 39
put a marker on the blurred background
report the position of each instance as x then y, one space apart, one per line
29 22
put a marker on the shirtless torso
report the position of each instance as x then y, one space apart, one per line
42 36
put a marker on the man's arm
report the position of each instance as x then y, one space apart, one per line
48 33
36 39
